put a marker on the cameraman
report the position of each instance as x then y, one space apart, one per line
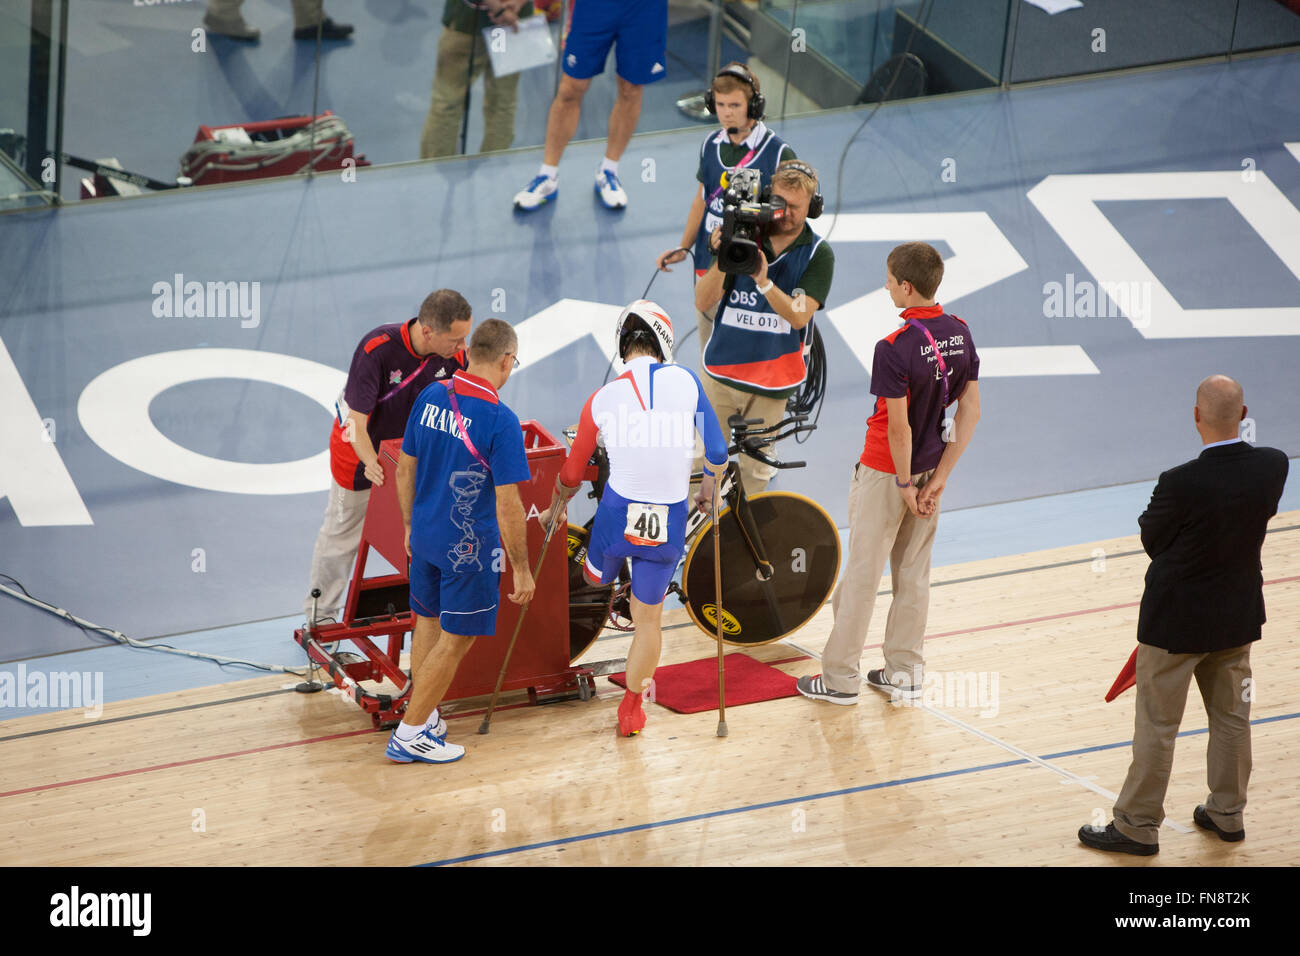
755 358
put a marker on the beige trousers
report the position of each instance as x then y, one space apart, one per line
881 529
336 551
727 401
1162 683
450 81
306 13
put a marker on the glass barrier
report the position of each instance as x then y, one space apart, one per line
30 35
161 95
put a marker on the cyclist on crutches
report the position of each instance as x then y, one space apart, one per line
646 419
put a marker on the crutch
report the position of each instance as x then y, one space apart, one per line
487 718
717 605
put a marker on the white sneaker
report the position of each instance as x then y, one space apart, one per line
610 190
537 193
424 747
438 728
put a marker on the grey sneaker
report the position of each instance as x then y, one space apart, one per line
876 678
814 687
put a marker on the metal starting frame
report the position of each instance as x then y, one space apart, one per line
377 615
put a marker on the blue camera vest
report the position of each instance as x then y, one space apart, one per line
751 344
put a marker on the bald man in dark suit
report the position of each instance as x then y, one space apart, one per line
1201 610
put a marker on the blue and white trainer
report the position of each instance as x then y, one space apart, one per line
610 190
437 727
537 193
424 747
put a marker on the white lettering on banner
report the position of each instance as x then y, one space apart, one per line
32 474
114 411
755 321
981 256
1069 203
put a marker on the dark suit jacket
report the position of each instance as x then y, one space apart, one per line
1203 530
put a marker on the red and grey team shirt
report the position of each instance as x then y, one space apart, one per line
904 366
385 378
647 419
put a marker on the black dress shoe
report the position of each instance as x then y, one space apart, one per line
329 30
1201 817
1110 839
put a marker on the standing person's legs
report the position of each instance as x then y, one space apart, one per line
909 562
704 322
500 93
1224 679
1162 682
643 656
447 103
728 401
623 117
769 411
875 511
307 13
562 120
444 602
336 550
437 667
224 17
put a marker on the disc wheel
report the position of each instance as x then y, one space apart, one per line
588 603
803 545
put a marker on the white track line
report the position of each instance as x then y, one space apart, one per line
1010 748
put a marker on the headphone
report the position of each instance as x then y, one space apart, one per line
757 101
816 204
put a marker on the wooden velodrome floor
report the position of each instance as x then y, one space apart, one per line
252 773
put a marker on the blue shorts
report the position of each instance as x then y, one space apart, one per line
640 28
653 566
463 603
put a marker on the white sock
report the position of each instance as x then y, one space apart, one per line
550 172
407 732
433 719
609 164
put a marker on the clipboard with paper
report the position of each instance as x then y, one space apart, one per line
512 51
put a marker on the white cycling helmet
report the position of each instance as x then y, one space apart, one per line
652 318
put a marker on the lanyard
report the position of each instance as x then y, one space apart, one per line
460 426
943 368
405 382
744 161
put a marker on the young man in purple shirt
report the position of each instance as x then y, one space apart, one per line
390 367
917 372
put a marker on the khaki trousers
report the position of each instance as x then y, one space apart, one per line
450 81
1162 682
336 551
881 529
306 13
727 401
704 321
